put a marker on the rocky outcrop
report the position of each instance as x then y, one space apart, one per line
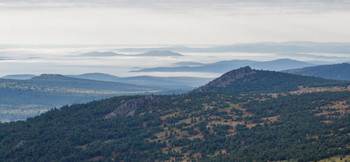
129 108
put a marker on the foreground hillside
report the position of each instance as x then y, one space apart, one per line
206 124
20 99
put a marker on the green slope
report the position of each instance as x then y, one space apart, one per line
196 126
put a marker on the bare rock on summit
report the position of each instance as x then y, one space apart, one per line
129 108
230 77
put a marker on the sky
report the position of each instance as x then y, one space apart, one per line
176 22
41 36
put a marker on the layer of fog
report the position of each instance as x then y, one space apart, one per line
60 60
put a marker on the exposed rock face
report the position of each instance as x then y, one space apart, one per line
129 108
229 77
20 143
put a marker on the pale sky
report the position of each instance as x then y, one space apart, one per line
179 22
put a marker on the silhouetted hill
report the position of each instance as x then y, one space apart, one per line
336 71
166 82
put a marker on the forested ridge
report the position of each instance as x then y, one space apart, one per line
200 125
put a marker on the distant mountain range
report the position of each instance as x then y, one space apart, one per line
152 81
223 66
19 76
158 53
20 99
262 47
166 82
3 58
188 63
336 71
27 95
100 54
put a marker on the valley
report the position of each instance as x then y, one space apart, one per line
27 98
212 123
174 81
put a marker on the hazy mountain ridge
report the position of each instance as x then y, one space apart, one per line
160 53
152 53
24 98
143 80
261 47
100 54
335 71
188 63
224 66
19 76
169 82
279 65
61 80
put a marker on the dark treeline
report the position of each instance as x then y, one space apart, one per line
195 126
